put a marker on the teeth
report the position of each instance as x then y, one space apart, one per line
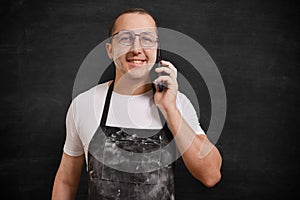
137 61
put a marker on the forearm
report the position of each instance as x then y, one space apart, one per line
200 156
67 178
63 190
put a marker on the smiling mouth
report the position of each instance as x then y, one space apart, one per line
136 61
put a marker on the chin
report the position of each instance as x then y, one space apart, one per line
138 74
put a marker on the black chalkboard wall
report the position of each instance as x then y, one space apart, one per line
254 44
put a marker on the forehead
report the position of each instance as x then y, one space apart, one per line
134 21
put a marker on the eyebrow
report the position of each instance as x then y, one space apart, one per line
123 30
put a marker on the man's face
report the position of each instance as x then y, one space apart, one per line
134 60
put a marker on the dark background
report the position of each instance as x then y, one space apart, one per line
254 44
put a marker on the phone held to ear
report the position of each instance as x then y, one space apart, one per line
160 85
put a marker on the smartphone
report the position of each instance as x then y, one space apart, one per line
154 75
159 85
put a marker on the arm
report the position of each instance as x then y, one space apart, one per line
67 178
200 156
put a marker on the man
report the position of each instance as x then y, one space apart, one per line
124 107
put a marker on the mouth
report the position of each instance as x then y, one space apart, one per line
135 62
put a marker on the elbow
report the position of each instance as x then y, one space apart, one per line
212 181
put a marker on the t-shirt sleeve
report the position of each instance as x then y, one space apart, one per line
73 145
189 114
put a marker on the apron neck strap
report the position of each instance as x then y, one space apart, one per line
106 105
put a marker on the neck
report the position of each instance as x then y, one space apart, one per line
131 86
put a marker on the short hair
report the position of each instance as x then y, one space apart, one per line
129 10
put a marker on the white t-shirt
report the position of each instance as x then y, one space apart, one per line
127 111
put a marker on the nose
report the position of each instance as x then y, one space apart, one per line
136 46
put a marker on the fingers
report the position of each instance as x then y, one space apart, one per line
167 68
167 82
166 79
168 64
168 76
165 71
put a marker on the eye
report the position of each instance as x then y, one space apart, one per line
147 40
126 38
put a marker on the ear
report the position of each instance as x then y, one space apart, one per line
108 47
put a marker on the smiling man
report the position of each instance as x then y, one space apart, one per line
136 119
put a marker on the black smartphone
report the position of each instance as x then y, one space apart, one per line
154 75
159 85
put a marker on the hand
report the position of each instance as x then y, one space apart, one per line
166 100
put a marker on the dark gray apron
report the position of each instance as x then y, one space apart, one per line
106 182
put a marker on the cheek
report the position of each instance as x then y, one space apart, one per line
119 52
151 54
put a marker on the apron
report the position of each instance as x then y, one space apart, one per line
144 177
